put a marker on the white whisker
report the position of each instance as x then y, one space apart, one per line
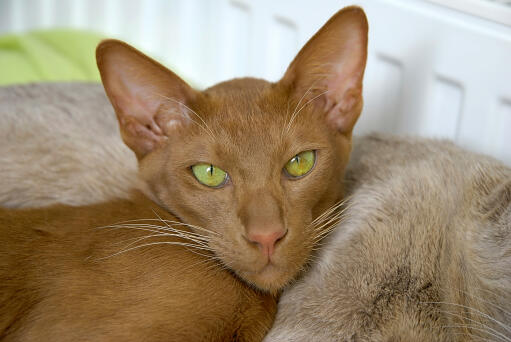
475 310
159 231
473 321
298 104
176 243
205 127
473 336
334 207
293 117
508 313
465 326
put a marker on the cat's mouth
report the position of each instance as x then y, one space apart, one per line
270 276
269 266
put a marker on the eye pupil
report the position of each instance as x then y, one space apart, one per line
209 175
300 164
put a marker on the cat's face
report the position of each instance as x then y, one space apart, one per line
251 162
252 145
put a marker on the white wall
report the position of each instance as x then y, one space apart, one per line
433 70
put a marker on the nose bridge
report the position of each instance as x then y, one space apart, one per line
263 222
262 211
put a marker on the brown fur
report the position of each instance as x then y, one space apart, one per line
423 253
59 281
248 127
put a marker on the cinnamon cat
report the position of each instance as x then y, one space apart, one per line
423 252
254 161
247 165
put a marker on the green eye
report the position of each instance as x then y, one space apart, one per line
209 175
301 164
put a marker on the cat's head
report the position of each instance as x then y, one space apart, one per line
252 161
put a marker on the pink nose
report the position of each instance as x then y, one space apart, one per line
266 241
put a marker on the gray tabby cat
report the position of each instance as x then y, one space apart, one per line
423 252
61 144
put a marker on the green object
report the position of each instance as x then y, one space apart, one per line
301 164
53 55
209 175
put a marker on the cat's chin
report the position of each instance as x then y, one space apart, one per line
271 277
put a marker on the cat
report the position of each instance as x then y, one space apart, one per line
423 252
54 133
249 166
254 160
124 270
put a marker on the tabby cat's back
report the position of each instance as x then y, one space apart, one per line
52 133
423 253
63 280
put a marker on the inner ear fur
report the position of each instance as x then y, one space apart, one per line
328 71
150 101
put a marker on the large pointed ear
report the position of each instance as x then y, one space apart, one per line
329 69
150 101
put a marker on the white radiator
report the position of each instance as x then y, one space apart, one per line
436 67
